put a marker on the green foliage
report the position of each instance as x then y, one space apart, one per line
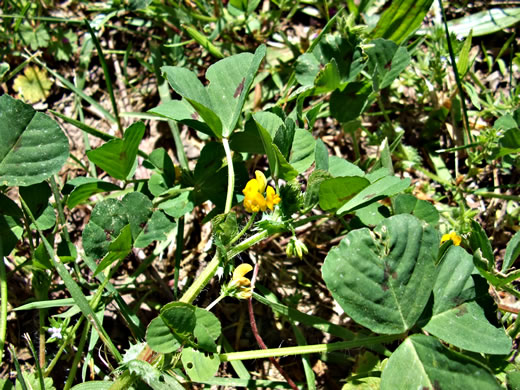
358 145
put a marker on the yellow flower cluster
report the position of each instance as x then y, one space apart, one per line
254 192
240 286
456 239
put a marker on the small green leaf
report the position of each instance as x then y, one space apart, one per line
512 252
117 249
409 204
478 239
383 279
161 338
157 228
118 156
422 362
207 330
198 366
80 189
33 146
180 317
385 62
178 206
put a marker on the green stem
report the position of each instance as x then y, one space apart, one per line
77 357
3 307
306 349
245 229
214 303
59 206
231 176
203 279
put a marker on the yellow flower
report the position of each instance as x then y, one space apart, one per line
254 200
261 180
456 239
241 271
240 286
272 198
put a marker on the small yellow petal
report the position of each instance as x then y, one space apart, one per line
262 181
454 237
251 187
241 270
272 198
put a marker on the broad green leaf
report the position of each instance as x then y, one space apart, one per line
207 330
33 85
327 79
372 214
182 111
512 252
117 157
157 228
306 69
199 366
303 146
341 167
160 337
382 188
152 376
348 104
33 146
117 249
110 216
385 62
337 191
247 141
229 81
80 189
457 315
180 317
409 204
422 362
401 19
383 279
178 206
34 36
106 222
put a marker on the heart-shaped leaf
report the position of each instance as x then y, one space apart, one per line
383 279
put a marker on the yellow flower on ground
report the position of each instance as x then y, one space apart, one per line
254 200
456 239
